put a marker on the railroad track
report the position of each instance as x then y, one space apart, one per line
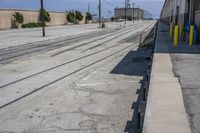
26 46
65 76
7 57
63 64
136 35
55 40
100 44
51 41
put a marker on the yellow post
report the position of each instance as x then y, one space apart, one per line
176 36
171 30
191 35
181 29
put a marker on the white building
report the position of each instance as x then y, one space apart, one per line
131 13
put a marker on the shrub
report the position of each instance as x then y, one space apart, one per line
47 17
78 15
74 16
88 16
19 18
32 25
70 16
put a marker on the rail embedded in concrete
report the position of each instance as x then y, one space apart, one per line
165 111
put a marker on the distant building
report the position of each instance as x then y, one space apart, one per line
136 13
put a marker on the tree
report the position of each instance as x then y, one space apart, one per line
74 16
88 17
47 17
78 16
70 16
19 18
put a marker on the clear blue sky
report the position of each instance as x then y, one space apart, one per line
153 6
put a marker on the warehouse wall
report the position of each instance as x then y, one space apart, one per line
166 13
6 18
197 18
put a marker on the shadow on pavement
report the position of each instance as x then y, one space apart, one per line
132 126
164 39
135 63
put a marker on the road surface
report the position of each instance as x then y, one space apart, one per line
86 82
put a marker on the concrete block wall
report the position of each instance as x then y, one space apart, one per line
6 18
57 19
166 12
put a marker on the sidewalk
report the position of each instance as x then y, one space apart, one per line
165 111
186 64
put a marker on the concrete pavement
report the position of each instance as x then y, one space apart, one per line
75 85
165 111
186 62
14 37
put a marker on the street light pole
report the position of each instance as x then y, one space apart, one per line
99 13
125 11
42 17
133 13
88 7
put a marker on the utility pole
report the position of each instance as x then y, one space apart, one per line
42 17
133 12
125 12
99 13
138 14
88 7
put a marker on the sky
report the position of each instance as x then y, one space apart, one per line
152 6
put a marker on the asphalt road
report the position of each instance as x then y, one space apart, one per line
85 82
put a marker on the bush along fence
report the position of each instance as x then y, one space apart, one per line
12 18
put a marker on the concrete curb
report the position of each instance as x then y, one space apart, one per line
165 111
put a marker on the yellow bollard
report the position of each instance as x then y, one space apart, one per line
171 30
191 35
176 36
181 29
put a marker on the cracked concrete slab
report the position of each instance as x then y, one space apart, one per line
97 99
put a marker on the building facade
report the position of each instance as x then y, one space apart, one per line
181 11
197 12
131 13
